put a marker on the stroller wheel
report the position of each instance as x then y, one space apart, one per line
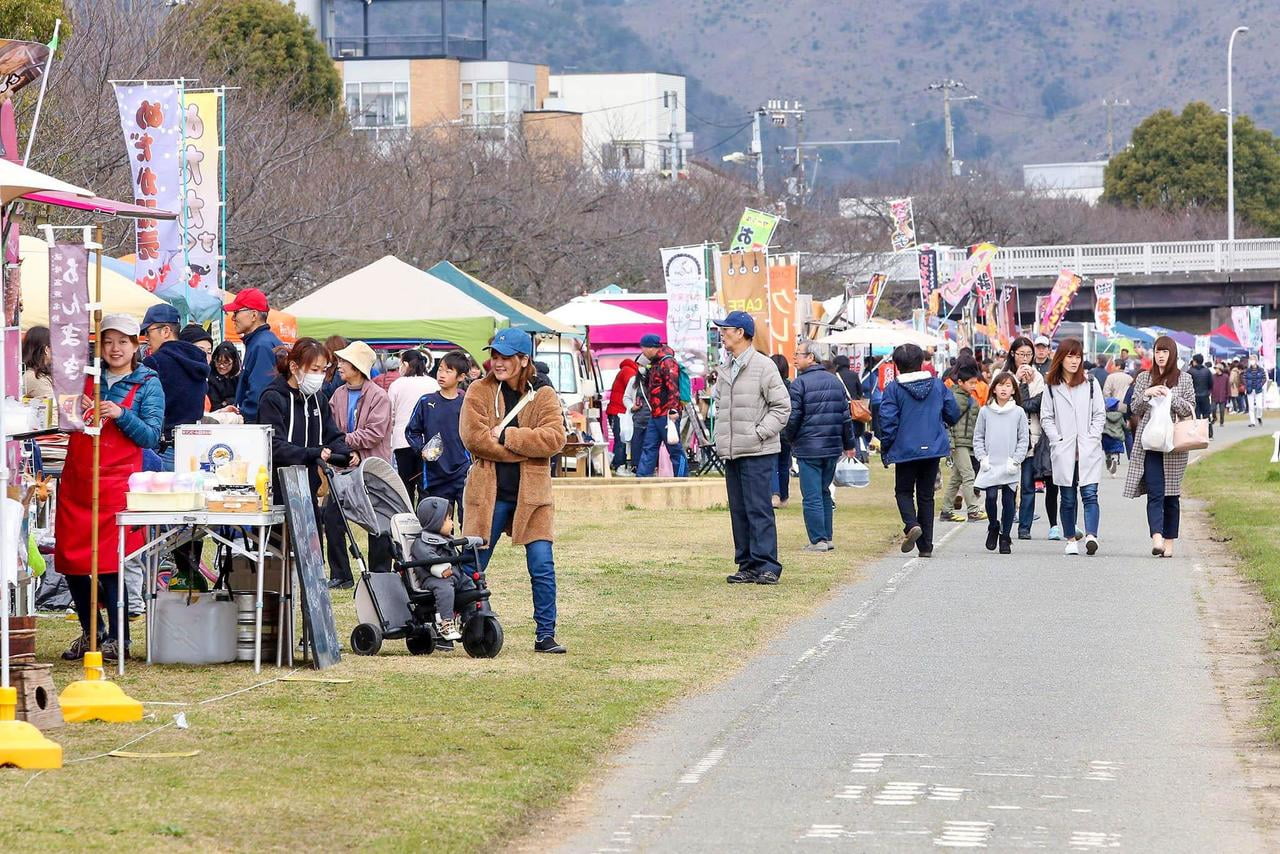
482 637
420 644
366 639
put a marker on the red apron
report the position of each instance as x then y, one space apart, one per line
119 457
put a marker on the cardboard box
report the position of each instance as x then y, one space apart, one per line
244 579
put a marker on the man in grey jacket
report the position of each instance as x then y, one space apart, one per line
752 407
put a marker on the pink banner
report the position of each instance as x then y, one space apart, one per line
1240 323
153 126
1269 344
967 276
69 324
1064 291
928 274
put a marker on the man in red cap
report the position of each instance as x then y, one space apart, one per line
249 314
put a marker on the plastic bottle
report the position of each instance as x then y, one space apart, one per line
261 484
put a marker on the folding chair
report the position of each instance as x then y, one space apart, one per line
707 458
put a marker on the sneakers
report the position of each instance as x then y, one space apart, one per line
549 645
78 648
1091 545
820 546
950 516
335 584
978 516
909 539
1073 548
741 578
1024 535
1006 546
926 553
450 629
1113 463
111 651
443 645
767 578
1055 533
993 538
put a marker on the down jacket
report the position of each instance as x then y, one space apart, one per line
1254 379
820 425
962 431
752 409
915 413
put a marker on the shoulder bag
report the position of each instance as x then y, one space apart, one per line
858 408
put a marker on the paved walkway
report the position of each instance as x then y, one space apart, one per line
974 700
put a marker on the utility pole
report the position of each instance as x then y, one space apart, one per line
757 149
674 100
780 113
953 168
1111 146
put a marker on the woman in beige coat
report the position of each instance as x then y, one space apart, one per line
512 424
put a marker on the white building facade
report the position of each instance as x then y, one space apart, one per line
632 123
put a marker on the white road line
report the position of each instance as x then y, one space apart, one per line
1093 839
694 775
964 834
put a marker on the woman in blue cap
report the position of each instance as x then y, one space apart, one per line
512 424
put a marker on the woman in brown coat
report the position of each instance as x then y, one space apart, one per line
1155 475
512 424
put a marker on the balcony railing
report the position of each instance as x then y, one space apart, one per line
407 46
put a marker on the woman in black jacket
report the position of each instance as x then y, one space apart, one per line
224 377
302 428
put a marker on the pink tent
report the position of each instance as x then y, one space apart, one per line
629 334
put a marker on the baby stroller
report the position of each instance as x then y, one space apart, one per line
392 605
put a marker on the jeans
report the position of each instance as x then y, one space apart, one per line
654 435
1027 498
640 424
1204 409
1254 404
816 475
80 588
409 466
1163 511
619 446
1220 411
961 481
913 489
453 494
539 560
1000 522
781 483
1088 495
755 531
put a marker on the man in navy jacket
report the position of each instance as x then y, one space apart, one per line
914 416
183 370
249 314
819 430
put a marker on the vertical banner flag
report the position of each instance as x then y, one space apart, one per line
985 284
966 277
1042 304
1007 314
1059 300
1255 329
1269 344
875 290
684 271
1104 306
1202 347
928 274
784 281
1240 323
904 224
69 322
755 231
202 177
151 117
744 286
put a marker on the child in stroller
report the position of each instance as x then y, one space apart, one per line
441 577
1113 435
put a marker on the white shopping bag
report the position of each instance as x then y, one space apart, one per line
850 472
673 435
626 427
1158 434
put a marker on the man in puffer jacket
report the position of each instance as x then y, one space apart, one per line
819 430
914 416
1254 380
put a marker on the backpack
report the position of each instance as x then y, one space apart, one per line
685 382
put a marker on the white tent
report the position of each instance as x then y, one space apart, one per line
882 335
588 311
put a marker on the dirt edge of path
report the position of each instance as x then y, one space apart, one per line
1237 624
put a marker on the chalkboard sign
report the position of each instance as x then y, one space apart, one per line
317 611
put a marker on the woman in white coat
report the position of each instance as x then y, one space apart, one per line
1072 415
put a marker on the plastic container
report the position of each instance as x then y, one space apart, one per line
195 628
164 502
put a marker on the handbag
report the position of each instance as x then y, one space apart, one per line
1191 434
858 408
1042 460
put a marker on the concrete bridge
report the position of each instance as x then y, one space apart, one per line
1177 284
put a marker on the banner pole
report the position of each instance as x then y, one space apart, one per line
44 84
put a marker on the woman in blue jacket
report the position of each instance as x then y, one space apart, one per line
915 412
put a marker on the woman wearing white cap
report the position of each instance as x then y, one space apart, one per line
131 416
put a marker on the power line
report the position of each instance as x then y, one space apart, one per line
691 114
726 139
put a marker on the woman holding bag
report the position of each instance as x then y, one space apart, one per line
1158 474
1072 416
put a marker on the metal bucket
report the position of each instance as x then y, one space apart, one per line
245 620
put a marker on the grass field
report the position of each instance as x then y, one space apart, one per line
1243 494
443 753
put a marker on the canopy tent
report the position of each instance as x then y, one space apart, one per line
119 293
1134 334
518 314
882 335
589 311
1222 347
1184 339
1227 331
390 299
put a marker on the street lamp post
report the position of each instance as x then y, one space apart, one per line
1231 154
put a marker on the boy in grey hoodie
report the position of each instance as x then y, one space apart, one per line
1000 442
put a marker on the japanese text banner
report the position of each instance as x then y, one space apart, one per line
151 117
1058 301
755 231
686 279
904 224
1104 306
967 276
203 197
69 324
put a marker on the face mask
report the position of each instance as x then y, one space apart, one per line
309 384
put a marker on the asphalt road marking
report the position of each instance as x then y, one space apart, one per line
694 775
1083 839
964 834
